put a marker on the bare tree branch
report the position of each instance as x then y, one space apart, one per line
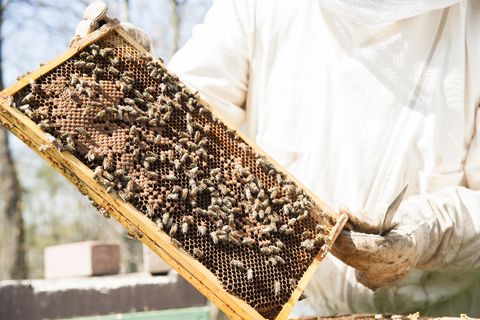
176 18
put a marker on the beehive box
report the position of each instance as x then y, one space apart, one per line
148 152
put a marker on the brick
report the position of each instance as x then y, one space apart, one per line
153 264
82 259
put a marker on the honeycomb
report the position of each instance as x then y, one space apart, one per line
151 141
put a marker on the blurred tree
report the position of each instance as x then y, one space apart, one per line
53 210
13 252
11 206
176 18
126 10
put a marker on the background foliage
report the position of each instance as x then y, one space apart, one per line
47 209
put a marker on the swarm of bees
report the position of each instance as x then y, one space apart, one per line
150 141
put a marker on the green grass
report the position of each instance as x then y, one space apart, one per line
197 313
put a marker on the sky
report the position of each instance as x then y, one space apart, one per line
38 33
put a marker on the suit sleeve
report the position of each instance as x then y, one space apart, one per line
215 61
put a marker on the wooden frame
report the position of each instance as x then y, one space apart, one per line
136 222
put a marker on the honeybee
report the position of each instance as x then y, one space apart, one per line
279 260
173 230
131 186
82 131
28 98
114 71
319 239
34 86
266 250
140 102
79 64
115 61
248 241
98 71
243 147
184 194
202 229
152 175
150 90
90 65
173 196
165 218
148 97
159 224
214 237
249 274
197 253
105 52
125 196
44 148
308 244
150 210
107 163
280 244
104 213
266 230
151 159
185 227
135 233
272 261
306 234
184 158
276 287
101 114
70 144
108 176
176 243
238 264
158 141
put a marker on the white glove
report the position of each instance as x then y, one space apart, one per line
96 14
383 260
437 232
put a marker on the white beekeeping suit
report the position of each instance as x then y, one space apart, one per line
356 105
357 99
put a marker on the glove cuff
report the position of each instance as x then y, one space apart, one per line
417 222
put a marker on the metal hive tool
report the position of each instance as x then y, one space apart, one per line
150 153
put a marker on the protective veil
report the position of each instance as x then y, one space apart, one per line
372 13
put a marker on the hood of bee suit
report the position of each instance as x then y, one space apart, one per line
373 33
381 12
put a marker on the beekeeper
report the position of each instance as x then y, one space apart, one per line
358 99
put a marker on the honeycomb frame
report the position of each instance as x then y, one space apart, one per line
135 221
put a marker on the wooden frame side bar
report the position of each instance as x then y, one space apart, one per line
138 224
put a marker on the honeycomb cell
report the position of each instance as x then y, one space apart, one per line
151 141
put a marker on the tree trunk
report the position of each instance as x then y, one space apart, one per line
14 232
126 10
176 22
11 196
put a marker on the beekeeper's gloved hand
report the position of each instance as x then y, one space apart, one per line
96 14
383 259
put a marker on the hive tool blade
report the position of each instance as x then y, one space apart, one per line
391 210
